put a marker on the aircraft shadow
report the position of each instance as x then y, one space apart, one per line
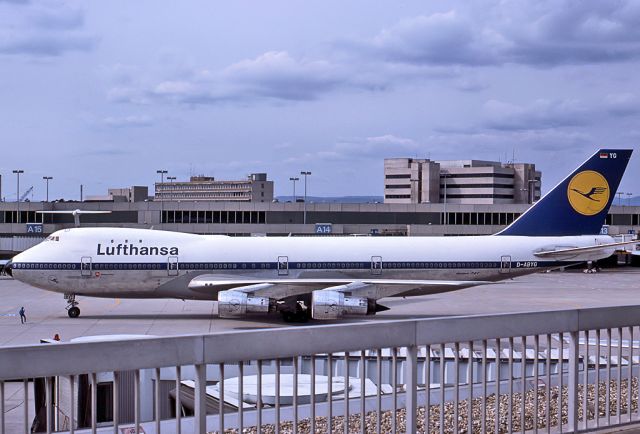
254 322
150 316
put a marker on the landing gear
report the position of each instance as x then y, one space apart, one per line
73 312
72 306
301 313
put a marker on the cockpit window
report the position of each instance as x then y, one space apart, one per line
52 238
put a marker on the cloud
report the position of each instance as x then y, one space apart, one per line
276 74
547 33
355 149
55 16
272 76
37 44
442 38
45 29
470 84
539 115
622 104
438 46
128 121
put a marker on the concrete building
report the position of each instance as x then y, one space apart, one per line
409 180
256 188
137 193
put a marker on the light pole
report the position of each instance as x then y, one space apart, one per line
305 174
619 197
294 187
161 173
18 172
629 198
47 179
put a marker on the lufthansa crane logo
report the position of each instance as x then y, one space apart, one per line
588 192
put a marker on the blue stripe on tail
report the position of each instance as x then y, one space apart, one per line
580 203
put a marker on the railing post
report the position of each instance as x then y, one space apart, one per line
574 360
411 381
201 399
25 407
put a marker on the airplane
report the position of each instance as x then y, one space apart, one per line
326 277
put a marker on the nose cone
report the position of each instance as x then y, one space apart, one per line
8 269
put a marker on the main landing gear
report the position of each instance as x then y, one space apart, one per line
299 312
72 306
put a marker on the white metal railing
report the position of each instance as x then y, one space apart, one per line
490 373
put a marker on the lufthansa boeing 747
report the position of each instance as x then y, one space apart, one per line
326 277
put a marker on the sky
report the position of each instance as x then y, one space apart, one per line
104 93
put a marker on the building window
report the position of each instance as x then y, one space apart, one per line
398 186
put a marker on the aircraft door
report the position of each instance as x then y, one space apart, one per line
505 264
376 265
172 266
85 266
283 265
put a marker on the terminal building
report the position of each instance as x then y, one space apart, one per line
412 180
256 188
21 229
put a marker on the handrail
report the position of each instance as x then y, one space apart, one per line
227 347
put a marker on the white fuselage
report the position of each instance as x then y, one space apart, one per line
141 263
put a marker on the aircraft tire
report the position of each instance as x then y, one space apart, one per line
73 312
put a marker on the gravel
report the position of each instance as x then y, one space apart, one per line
304 426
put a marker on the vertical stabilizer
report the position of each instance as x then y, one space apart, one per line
578 205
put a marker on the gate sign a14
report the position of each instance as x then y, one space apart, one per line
323 228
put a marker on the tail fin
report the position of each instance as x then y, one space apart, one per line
579 204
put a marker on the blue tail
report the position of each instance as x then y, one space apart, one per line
579 204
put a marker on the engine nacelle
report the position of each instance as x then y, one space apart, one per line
237 303
328 304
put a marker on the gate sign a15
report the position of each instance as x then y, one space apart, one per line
34 228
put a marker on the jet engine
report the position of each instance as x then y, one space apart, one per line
237 303
330 304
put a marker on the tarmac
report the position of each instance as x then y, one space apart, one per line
46 314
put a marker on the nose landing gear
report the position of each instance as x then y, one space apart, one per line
72 306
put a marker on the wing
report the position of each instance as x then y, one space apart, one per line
281 288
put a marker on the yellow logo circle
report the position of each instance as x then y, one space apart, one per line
588 192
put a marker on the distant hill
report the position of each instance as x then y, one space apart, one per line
337 199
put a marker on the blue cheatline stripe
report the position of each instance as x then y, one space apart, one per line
257 266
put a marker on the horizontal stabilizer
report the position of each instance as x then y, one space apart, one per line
587 249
